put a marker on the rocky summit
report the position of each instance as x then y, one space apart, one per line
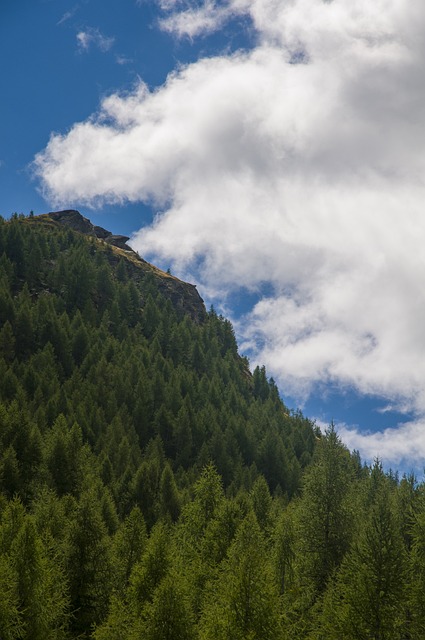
183 295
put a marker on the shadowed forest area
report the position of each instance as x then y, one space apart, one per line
152 487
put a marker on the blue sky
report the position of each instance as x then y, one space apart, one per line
272 152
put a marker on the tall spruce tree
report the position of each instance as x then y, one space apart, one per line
242 602
368 599
324 514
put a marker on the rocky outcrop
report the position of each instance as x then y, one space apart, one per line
183 295
74 220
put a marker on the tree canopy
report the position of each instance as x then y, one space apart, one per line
152 486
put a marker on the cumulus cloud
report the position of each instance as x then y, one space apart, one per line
92 37
400 448
403 446
300 164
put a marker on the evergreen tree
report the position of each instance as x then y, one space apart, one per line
169 616
42 600
7 342
88 565
11 623
369 599
169 500
324 514
243 601
417 570
128 545
152 568
261 502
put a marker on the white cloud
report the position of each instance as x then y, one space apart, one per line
195 20
403 446
310 177
68 15
93 37
123 60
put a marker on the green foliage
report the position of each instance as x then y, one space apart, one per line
11 624
368 599
169 616
34 602
128 546
88 565
151 569
242 602
151 487
416 574
324 517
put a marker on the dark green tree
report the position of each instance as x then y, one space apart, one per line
324 514
88 566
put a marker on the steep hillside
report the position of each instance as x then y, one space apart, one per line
183 295
117 389
139 343
152 487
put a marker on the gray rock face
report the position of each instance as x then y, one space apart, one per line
102 233
74 220
119 241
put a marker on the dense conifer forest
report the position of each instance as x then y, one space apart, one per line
152 487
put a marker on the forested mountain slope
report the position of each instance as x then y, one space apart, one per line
152 487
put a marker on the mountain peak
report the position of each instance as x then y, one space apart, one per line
183 295
75 220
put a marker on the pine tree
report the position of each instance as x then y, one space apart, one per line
243 601
169 616
324 515
11 623
10 481
169 499
261 501
283 554
128 546
368 599
40 587
152 568
88 565
7 342
417 570
209 496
